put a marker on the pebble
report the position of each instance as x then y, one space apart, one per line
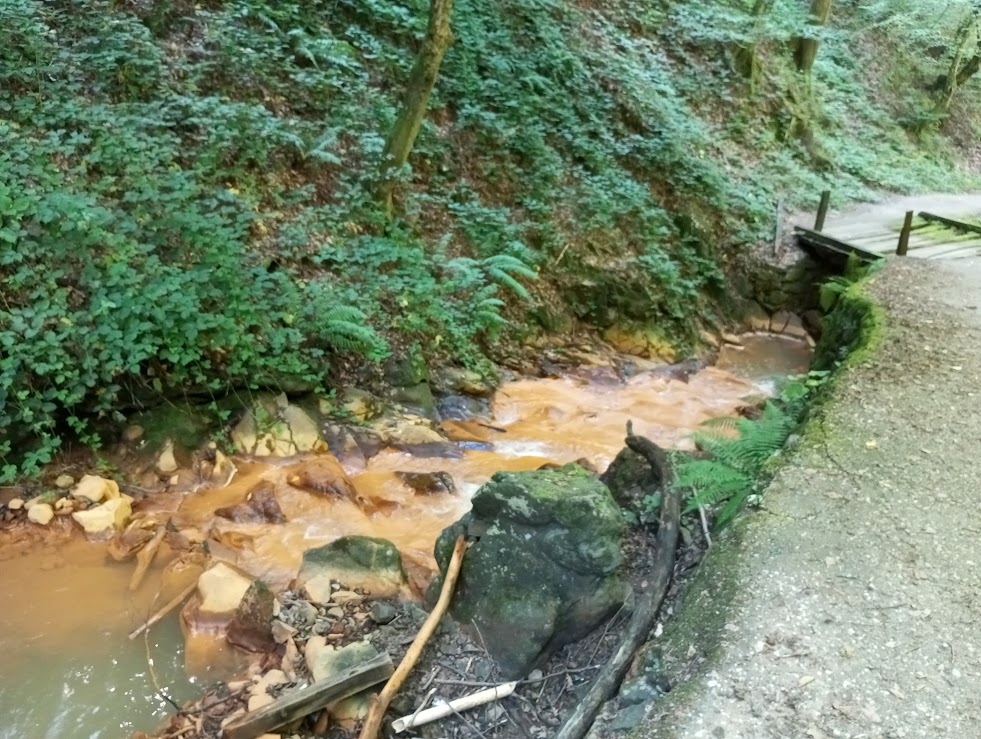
16 504
64 482
344 596
335 612
383 613
132 433
41 513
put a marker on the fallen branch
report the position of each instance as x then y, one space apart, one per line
454 706
171 605
145 558
380 703
649 602
299 703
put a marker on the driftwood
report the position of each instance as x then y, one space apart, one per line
299 703
428 715
171 605
145 558
648 603
380 702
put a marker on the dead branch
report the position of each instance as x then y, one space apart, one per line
145 558
649 602
171 605
380 703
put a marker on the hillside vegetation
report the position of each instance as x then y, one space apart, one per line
189 191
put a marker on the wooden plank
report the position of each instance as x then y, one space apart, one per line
305 701
823 242
951 223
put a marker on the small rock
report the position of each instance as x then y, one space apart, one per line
345 596
96 489
428 483
133 433
629 718
282 631
251 627
63 505
167 462
733 339
306 613
222 589
42 513
260 506
113 514
335 612
64 482
258 700
16 504
323 475
383 613
271 679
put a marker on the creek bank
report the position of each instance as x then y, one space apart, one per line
597 377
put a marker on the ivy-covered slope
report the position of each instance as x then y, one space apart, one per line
187 189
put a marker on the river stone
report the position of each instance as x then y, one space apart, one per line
323 475
260 506
251 626
42 513
113 515
96 489
222 589
408 380
64 482
16 504
372 565
428 483
545 568
282 430
166 461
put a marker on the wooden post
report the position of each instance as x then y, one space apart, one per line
822 210
904 235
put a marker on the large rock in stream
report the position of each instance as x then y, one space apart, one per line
545 569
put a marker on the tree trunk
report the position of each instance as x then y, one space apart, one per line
398 146
746 57
960 71
807 47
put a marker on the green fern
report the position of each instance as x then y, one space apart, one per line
502 268
344 328
730 475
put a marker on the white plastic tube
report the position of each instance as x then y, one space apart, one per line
455 706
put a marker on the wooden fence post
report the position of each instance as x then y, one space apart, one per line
904 235
822 210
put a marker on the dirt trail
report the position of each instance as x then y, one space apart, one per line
859 585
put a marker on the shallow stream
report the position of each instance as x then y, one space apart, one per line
68 669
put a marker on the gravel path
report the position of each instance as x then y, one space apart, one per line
858 613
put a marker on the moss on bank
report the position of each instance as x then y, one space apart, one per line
694 641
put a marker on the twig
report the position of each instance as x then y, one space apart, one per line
705 528
145 558
171 605
380 703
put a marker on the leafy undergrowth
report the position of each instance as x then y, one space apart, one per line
187 189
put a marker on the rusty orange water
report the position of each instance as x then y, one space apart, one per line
68 669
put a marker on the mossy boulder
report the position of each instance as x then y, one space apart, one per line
372 565
545 568
630 479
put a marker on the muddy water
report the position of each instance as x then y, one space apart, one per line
68 669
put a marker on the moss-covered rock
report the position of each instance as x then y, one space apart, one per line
373 565
545 567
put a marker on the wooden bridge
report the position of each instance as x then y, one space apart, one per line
916 234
